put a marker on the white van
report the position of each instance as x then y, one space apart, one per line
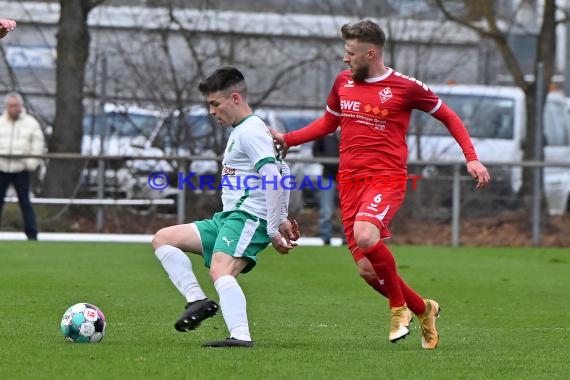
496 119
192 132
126 126
557 148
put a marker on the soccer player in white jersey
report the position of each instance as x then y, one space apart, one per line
254 215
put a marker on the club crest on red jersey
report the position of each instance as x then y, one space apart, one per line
385 94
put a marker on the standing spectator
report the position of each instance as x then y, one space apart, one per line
20 134
327 147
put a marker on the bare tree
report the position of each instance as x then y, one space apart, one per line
481 17
164 66
72 53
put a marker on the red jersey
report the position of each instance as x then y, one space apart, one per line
373 116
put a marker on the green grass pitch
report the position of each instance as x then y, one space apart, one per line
505 316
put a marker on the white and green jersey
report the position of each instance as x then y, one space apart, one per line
250 146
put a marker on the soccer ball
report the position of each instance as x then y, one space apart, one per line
83 323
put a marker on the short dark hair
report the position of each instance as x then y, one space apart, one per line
224 78
364 31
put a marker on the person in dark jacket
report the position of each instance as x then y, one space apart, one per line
327 147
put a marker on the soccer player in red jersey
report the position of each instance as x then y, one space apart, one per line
372 104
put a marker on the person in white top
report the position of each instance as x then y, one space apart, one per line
254 214
20 134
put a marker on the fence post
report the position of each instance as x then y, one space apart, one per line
181 194
456 207
538 156
101 163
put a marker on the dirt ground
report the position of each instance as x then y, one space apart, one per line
505 229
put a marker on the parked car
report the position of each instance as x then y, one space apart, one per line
124 130
192 132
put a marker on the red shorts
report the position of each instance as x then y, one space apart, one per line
370 203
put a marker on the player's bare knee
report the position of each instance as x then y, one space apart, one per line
366 239
214 274
223 265
217 272
159 239
366 234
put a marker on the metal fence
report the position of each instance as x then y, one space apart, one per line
441 194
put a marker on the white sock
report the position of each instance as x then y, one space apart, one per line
233 304
179 269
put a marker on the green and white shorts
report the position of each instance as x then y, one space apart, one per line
237 233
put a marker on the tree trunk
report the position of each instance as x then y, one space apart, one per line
545 53
529 148
63 176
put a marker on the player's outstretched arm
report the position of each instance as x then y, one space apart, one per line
6 25
479 172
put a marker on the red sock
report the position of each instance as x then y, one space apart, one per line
375 283
413 299
415 303
384 265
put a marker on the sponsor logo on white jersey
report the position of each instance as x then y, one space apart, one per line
228 171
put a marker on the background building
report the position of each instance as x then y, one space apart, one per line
290 53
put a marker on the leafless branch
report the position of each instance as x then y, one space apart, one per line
279 77
189 38
494 33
